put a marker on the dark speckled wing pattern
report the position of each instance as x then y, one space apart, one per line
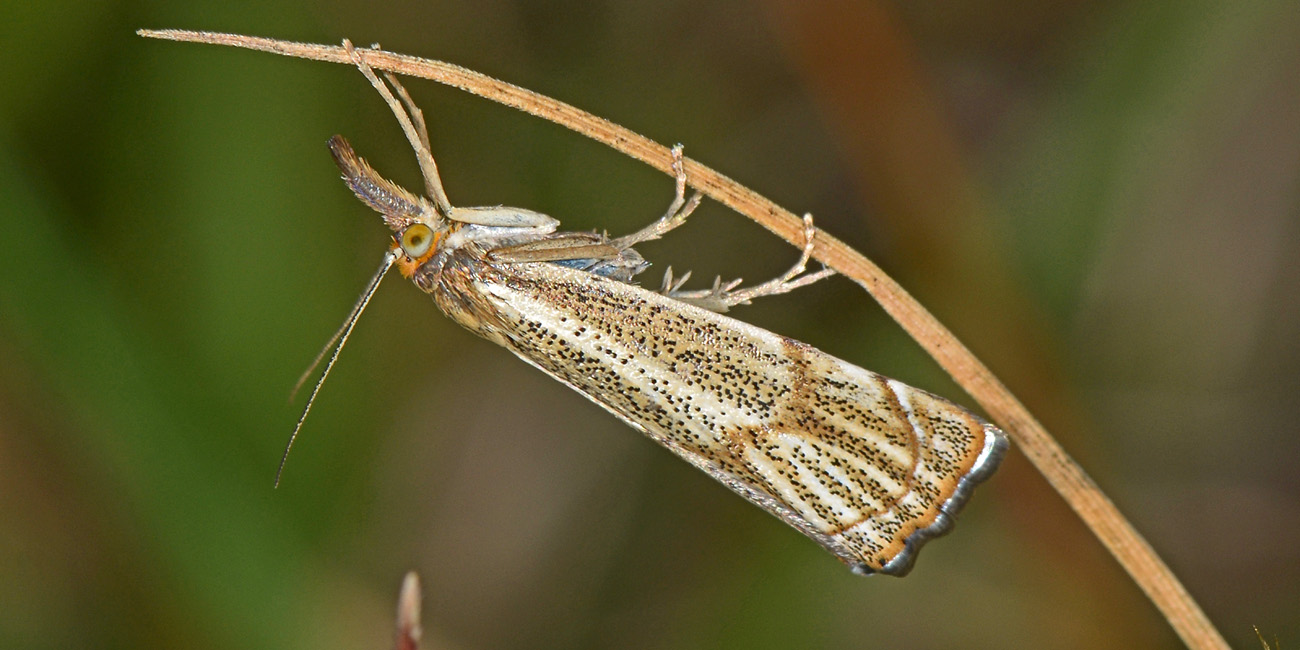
868 467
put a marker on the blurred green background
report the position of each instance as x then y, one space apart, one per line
1100 198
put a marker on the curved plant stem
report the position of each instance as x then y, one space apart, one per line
1066 477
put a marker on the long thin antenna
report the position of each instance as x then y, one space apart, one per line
342 330
342 337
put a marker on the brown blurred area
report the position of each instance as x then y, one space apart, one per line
1101 199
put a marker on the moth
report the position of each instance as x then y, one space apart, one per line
864 465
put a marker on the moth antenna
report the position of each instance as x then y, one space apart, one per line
341 337
347 325
293 394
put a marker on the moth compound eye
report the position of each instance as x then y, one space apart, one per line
416 240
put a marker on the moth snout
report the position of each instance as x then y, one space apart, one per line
399 207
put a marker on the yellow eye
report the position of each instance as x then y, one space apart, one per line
416 240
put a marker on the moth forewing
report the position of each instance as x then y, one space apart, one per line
868 467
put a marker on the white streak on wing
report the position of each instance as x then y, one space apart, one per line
870 392
843 479
832 501
785 488
871 386
887 483
901 391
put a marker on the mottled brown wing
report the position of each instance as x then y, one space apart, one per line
865 465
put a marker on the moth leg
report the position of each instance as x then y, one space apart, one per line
583 251
557 247
417 136
722 297
417 115
677 212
